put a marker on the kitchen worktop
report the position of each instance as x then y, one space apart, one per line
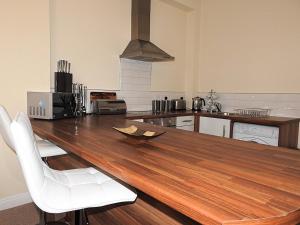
210 179
270 120
150 114
288 127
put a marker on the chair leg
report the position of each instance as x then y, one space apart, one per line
79 217
86 219
42 218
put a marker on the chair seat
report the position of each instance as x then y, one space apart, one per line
70 190
47 149
56 191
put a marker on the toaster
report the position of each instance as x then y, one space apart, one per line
108 106
178 104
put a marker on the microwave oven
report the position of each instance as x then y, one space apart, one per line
50 105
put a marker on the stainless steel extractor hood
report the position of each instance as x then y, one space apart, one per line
140 48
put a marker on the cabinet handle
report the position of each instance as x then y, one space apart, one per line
187 121
224 130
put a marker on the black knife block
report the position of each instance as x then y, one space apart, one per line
63 82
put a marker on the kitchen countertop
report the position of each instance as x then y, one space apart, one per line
150 114
210 179
271 120
288 127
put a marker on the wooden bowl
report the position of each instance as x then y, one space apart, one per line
137 133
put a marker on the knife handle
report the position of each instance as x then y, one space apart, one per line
57 68
64 66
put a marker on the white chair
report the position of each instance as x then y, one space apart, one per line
63 191
46 148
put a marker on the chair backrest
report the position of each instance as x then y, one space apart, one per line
5 122
28 155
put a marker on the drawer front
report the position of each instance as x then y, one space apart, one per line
185 121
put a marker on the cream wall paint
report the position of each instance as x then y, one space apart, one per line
91 35
175 28
250 46
24 65
168 31
175 25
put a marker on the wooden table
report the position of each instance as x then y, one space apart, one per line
210 179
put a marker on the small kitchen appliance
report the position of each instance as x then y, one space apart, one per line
178 104
50 106
198 103
109 106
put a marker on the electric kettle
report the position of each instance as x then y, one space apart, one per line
198 103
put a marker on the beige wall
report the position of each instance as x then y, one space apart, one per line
24 65
168 31
250 46
92 34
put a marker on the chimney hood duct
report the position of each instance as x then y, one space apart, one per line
140 48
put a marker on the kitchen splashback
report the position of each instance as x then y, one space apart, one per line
280 104
135 78
135 86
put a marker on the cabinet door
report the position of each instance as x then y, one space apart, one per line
185 123
214 126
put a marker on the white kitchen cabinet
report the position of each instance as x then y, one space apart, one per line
185 123
214 126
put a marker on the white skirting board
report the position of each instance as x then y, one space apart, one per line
14 201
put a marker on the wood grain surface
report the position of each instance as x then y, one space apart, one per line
144 211
268 121
209 179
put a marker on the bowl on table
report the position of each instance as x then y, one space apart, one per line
137 133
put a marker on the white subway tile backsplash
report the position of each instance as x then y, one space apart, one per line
280 104
136 86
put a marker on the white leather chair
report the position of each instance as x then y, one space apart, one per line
63 191
46 148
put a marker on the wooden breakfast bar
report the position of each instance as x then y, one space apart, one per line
209 179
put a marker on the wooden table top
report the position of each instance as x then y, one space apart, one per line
210 179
